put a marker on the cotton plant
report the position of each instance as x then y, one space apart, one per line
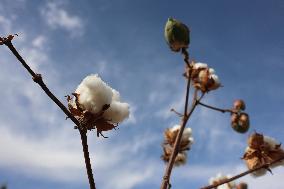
96 105
204 80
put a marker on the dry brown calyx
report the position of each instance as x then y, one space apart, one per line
87 119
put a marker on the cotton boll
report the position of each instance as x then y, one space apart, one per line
117 112
94 93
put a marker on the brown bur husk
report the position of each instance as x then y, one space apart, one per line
202 80
87 119
262 150
170 137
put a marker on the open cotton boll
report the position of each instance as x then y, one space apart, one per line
94 93
117 112
200 65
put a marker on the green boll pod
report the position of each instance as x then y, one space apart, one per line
177 35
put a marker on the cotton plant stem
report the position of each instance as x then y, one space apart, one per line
216 109
38 79
185 117
264 166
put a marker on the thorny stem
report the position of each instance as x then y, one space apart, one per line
38 79
217 109
264 166
166 179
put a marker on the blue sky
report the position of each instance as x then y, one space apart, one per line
123 42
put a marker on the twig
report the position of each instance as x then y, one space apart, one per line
165 182
264 166
38 79
217 109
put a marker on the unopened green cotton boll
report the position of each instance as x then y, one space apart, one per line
177 35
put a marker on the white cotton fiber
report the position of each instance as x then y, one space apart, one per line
94 93
115 95
117 112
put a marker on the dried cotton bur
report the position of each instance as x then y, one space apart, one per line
260 151
230 185
170 135
239 119
97 106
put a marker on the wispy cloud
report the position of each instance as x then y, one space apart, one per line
59 18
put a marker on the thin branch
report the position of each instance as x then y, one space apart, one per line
165 182
216 109
38 79
264 166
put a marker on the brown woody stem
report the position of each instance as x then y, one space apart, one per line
166 179
38 79
264 166
216 109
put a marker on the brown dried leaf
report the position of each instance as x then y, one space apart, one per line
103 125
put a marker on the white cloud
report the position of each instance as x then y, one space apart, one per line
57 17
5 25
39 41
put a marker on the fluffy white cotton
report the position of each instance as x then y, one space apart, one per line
216 79
200 65
211 71
94 93
115 95
186 135
117 112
